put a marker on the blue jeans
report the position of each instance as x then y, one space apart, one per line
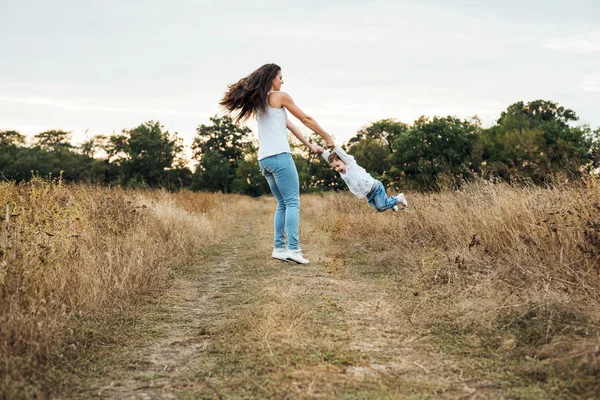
378 198
282 177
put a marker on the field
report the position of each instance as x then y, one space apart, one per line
487 292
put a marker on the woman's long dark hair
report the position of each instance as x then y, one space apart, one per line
248 96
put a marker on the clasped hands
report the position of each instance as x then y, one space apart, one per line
318 149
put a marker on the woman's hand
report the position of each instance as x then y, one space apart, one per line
316 148
329 144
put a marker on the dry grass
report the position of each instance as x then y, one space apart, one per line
74 252
492 289
490 271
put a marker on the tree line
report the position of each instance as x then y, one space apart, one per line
534 141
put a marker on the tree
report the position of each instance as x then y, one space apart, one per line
12 138
568 148
17 163
51 155
248 178
213 173
230 141
511 154
91 146
179 175
224 136
432 148
385 131
593 166
562 143
534 114
53 140
145 153
535 140
10 148
116 148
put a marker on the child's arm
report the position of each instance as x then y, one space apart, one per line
345 157
325 155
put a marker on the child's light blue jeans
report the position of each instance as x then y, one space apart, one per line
282 177
379 199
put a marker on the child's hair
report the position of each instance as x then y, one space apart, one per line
332 157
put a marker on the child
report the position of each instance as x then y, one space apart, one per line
360 182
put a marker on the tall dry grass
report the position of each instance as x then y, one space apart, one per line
73 251
512 269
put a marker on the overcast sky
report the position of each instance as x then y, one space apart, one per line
102 66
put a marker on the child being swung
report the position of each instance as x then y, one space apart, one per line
360 182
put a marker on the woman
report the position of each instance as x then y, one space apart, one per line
259 95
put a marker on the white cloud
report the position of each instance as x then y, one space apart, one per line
589 43
591 83
70 106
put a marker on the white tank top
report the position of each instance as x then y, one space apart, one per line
272 131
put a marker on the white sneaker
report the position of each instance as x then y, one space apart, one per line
296 256
280 254
395 209
402 200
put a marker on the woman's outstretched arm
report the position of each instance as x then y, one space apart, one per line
300 136
286 101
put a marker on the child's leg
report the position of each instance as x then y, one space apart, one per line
379 199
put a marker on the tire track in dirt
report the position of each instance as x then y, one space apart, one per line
165 362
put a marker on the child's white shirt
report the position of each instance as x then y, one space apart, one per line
359 181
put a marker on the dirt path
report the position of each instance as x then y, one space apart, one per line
242 325
162 364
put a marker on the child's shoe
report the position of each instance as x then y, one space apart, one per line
395 209
402 200
296 256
